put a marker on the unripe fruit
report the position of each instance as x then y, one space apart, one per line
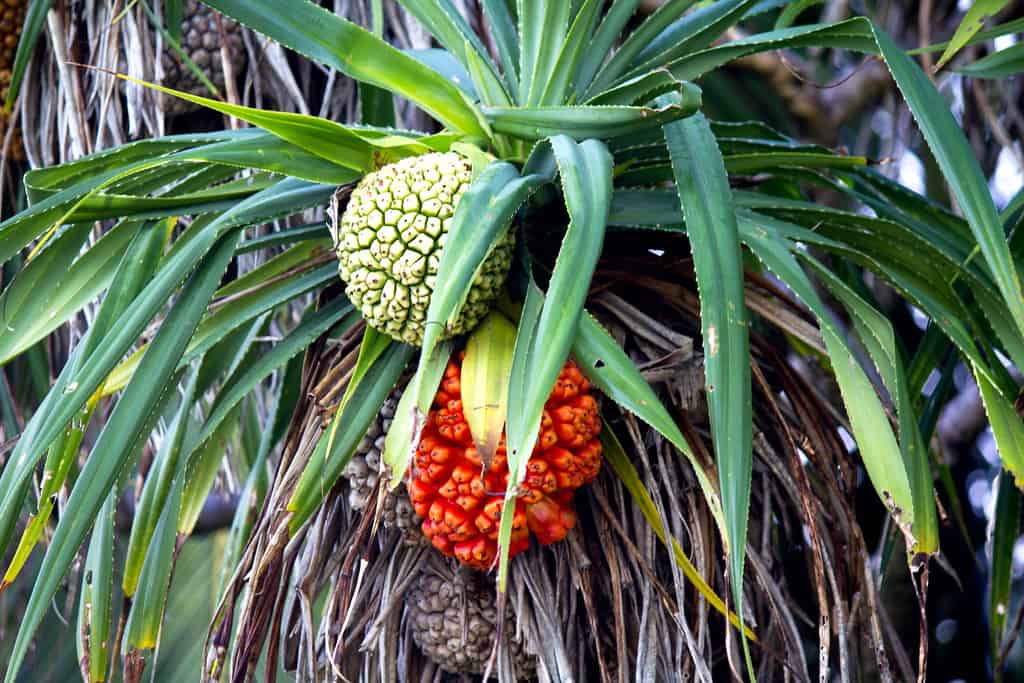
389 242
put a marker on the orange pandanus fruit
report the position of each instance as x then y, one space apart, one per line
460 500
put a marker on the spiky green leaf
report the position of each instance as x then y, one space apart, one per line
706 200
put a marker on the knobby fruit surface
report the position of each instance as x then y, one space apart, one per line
389 242
364 470
12 21
454 621
203 33
460 500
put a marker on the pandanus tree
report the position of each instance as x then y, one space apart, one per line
518 286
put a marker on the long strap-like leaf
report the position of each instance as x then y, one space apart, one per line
94 605
546 334
606 364
30 32
903 485
706 200
77 383
582 122
614 20
364 397
637 41
960 167
327 38
503 30
119 439
693 32
445 23
542 28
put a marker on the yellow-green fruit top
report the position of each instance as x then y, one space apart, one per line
389 242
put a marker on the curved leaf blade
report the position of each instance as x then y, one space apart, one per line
95 599
483 216
868 419
403 436
238 386
960 167
542 28
852 34
165 155
693 32
583 121
503 30
706 200
330 140
158 485
877 336
1003 533
614 21
608 367
56 284
65 400
365 395
327 38
30 32
1006 426
445 23
1003 64
585 170
577 42
146 615
637 41
973 21
117 441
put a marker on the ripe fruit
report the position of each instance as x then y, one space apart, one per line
389 243
201 39
453 618
461 503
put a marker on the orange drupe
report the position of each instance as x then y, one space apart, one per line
460 501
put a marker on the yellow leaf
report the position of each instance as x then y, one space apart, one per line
485 377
